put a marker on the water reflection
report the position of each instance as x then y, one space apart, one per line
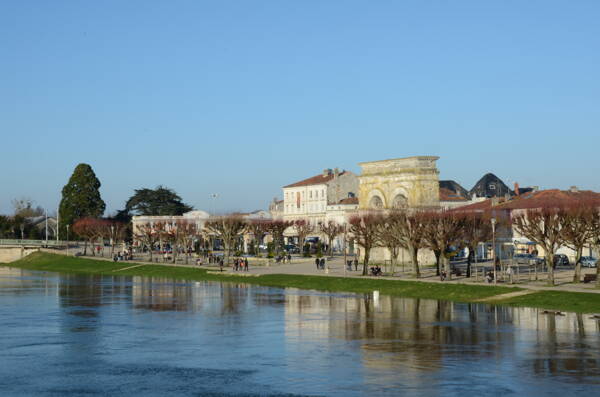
308 342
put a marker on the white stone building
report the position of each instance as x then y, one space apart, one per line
309 198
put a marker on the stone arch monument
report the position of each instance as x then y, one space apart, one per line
410 182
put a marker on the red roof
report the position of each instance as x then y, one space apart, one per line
543 198
315 180
449 195
349 200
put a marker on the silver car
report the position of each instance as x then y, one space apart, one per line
588 261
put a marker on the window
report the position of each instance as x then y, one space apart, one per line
492 186
310 194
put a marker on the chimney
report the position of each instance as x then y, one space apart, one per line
517 188
336 172
495 201
327 171
573 189
535 189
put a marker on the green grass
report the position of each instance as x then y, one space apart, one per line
557 300
578 302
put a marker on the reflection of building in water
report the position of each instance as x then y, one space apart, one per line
414 335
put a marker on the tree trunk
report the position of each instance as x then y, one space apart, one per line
577 275
366 262
550 266
393 256
446 260
414 255
598 275
85 248
437 261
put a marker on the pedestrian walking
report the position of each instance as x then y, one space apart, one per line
355 264
246 264
322 263
317 262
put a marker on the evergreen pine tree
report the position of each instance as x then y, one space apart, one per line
80 197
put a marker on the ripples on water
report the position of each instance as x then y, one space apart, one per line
84 335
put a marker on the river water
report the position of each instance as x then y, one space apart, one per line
96 335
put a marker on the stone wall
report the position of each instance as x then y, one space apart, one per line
11 254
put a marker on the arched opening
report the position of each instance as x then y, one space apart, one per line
399 202
376 203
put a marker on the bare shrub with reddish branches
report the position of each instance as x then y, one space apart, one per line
91 230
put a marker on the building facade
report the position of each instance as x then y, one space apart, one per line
410 182
309 198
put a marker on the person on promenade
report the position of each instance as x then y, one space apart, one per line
322 263
317 262
355 264
289 258
246 264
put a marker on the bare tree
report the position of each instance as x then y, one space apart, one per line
24 207
303 229
115 231
331 229
185 235
388 235
478 229
364 229
441 231
543 227
228 228
149 234
91 230
577 231
408 229
277 228
259 228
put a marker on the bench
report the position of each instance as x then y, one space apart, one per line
589 278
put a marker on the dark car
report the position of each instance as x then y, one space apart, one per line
561 260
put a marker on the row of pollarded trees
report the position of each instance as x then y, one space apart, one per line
417 230
96 230
550 227
555 226
181 234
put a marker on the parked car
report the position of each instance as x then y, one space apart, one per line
527 259
292 249
588 261
561 260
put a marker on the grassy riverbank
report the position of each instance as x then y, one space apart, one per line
556 300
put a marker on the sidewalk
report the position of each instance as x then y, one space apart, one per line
335 268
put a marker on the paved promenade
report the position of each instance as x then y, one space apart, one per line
335 268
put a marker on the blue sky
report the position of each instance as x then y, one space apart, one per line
242 97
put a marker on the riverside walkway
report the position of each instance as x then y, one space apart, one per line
335 268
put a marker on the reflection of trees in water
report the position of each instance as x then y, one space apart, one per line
571 354
161 294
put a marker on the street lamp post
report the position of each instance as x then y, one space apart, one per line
112 240
493 220
345 255
67 239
